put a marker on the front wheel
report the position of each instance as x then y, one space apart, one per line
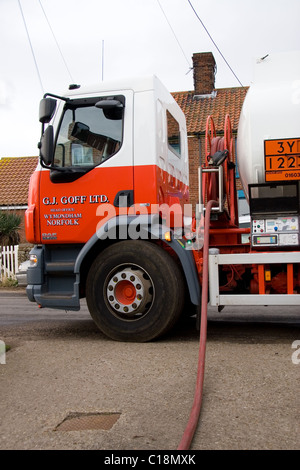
135 291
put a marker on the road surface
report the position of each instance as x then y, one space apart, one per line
60 366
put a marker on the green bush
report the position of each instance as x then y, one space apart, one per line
9 228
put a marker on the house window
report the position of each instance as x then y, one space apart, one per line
173 135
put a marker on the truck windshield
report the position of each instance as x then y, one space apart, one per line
88 136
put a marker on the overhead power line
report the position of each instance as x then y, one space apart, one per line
189 64
214 42
59 49
32 51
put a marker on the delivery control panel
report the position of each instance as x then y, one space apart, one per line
275 214
278 231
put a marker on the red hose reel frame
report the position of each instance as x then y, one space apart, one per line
210 188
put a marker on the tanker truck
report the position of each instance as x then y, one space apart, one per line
110 217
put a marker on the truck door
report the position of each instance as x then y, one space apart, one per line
92 167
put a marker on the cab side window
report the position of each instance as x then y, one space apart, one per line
173 135
88 136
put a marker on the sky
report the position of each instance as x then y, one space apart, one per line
88 41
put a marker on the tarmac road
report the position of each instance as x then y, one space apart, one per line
59 364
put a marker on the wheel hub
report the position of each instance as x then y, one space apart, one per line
129 292
125 292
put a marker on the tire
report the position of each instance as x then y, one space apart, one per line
134 291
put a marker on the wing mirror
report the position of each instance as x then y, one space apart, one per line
47 109
108 104
112 108
46 146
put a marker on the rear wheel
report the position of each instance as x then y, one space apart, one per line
135 291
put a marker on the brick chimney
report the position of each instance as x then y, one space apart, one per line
204 65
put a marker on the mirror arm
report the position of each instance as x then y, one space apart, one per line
63 98
43 164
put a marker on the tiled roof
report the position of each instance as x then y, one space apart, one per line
14 179
196 110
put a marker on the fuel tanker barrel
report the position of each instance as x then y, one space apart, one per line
268 141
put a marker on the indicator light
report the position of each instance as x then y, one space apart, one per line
168 236
33 260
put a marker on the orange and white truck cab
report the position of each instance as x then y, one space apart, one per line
114 159
125 146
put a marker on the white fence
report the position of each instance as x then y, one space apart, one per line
9 262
